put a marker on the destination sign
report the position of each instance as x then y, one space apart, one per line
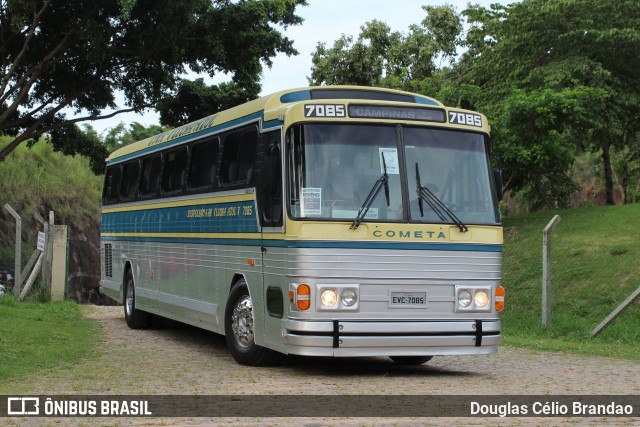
396 113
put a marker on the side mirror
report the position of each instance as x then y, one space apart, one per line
497 178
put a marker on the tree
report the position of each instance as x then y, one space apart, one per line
195 100
73 56
380 57
119 136
564 46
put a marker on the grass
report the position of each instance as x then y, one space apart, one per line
595 253
37 179
36 336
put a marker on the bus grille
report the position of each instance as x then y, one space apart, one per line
108 260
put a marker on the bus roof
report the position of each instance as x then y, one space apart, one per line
268 107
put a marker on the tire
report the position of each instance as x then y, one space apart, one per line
240 331
410 360
136 319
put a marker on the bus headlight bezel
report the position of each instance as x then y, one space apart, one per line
347 297
473 299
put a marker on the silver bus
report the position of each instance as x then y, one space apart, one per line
325 221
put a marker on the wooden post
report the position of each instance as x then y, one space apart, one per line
17 277
615 313
32 278
546 272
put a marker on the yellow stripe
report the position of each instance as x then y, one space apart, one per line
175 204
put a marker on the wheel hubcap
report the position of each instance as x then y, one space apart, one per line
129 301
242 321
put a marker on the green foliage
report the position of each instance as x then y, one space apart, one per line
536 137
195 100
119 136
36 336
594 269
564 46
71 140
78 54
380 57
37 179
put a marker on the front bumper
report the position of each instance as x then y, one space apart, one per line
391 338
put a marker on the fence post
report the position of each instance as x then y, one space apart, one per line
615 313
47 268
17 277
546 272
43 265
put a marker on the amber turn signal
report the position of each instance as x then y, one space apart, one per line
499 298
304 297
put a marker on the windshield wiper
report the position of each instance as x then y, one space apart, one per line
425 195
383 181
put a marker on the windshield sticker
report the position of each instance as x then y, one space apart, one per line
390 161
311 201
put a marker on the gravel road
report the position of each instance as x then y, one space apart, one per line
184 360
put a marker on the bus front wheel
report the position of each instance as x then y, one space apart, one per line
239 328
136 319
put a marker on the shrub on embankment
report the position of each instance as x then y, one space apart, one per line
39 180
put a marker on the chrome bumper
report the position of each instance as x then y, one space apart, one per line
385 338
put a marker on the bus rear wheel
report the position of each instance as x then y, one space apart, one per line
411 360
136 319
239 328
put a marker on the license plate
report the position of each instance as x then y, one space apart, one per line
408 300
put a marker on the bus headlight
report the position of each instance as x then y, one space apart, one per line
481 299
349 297
473 299
464 298
329 298
337 297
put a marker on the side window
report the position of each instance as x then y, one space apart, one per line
129 186
150 178
175 170
238 157
204 160
269 182
112 180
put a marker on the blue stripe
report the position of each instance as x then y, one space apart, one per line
237 217
311 244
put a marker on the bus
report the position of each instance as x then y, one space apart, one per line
337 221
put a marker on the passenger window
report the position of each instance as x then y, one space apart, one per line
175 171
238 157
204 159
129 187
112 180
150 178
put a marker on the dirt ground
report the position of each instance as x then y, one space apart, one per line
180 360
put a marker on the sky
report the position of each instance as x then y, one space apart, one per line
324 21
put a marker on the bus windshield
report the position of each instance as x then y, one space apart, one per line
334 167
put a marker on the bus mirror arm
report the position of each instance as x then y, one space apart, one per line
497 177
